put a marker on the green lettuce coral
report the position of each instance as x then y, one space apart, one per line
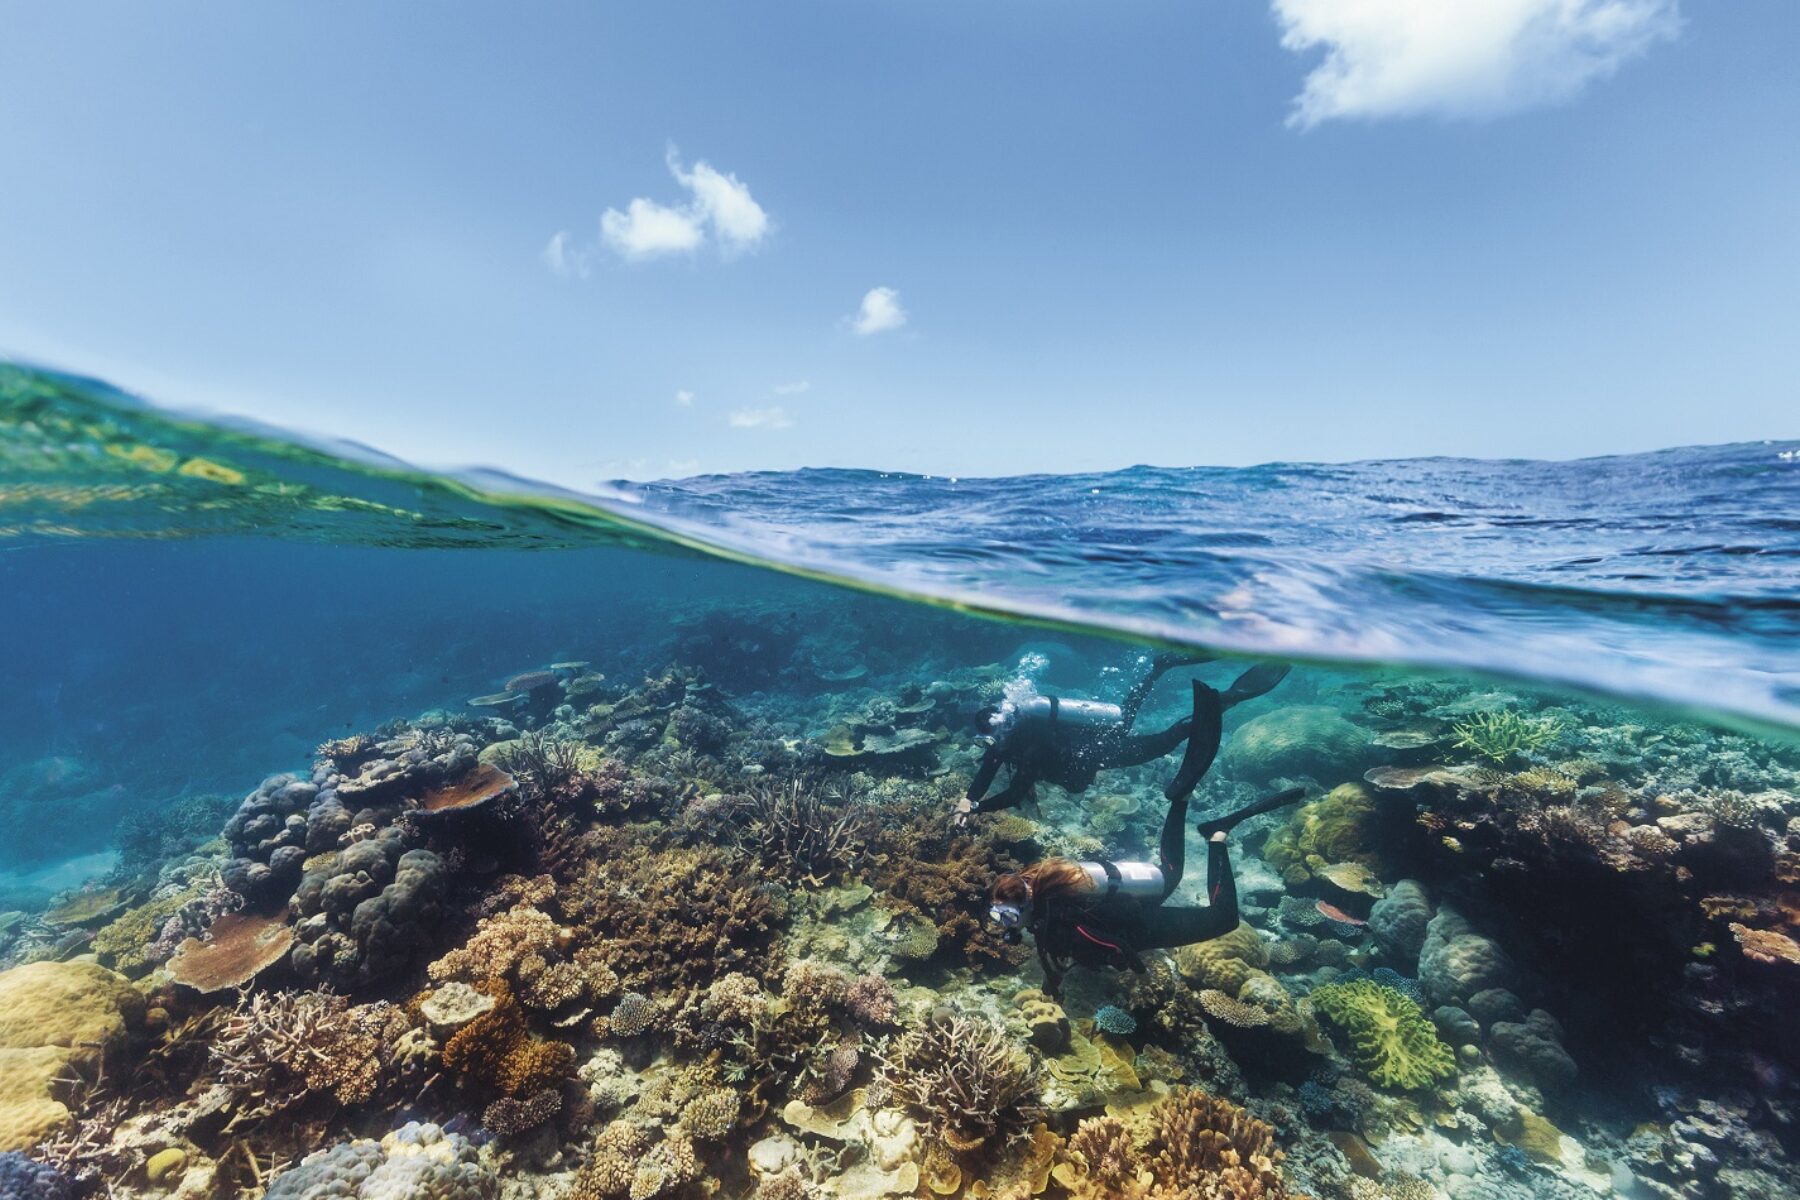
1392 1041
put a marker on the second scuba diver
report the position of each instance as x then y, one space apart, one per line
1068 742
1105 914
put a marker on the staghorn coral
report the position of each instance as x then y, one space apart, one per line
1503 735
278 1050
1192 1146
965 1081
500 944
1392 1041
801 832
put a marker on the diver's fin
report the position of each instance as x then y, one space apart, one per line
1202 745
1259 680
1254 809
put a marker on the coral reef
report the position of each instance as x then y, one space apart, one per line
965 1080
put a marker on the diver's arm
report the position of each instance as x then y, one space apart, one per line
984 775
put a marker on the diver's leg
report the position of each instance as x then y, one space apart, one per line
1139 691
1171 851
1203 742
1141 748
1255 808
1259 680
1166 928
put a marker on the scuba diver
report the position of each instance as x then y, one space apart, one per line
1104 914
1068 742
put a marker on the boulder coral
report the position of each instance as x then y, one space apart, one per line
1313 740
1455 962
1398 920
416 1161
56 1018
1391 1040
1338 828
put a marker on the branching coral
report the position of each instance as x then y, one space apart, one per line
965 1081
802 832
496 1052
1391 1039
1504 735
1194 1146
278 1049
940 876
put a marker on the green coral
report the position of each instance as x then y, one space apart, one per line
124 944
1338 827
1391 1039
1499 736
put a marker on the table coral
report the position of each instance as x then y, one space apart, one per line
1391 1039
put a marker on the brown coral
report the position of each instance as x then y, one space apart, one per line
1193 1146
496 1052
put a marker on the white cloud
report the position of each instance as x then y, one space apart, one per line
684 399
564 259
1461 58
761 418
646 229
879 313
719 209
796 388
724 203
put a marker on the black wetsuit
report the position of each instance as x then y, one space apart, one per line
1070 756
1108 929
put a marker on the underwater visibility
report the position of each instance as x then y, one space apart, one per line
1383 831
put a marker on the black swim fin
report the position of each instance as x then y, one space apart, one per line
1255 809
1259 680
1202 745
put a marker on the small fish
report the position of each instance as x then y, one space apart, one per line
1332 912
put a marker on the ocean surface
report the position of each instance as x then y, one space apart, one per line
1547 711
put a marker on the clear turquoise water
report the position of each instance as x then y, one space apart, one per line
192 606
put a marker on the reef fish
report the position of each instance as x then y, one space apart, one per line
1332 912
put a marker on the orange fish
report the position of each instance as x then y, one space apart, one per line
1334 913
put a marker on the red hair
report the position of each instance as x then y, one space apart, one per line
1035 884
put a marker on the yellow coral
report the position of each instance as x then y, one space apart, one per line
1225 962
1336 828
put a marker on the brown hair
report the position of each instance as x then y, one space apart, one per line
1052 877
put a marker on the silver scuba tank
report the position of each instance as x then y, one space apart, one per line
1081 713
1139 880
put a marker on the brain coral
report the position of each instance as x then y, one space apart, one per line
414 1162
1391 1039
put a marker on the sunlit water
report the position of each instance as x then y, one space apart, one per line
1602 826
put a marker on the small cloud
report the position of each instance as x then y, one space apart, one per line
879 313
722 202
564 259
796 388
684 399
647 230
761 418
719 210
1471 58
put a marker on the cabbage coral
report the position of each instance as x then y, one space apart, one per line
1391 1039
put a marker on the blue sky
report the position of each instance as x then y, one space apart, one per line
1219 231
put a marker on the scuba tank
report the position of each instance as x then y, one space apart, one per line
1079 713
1139 880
